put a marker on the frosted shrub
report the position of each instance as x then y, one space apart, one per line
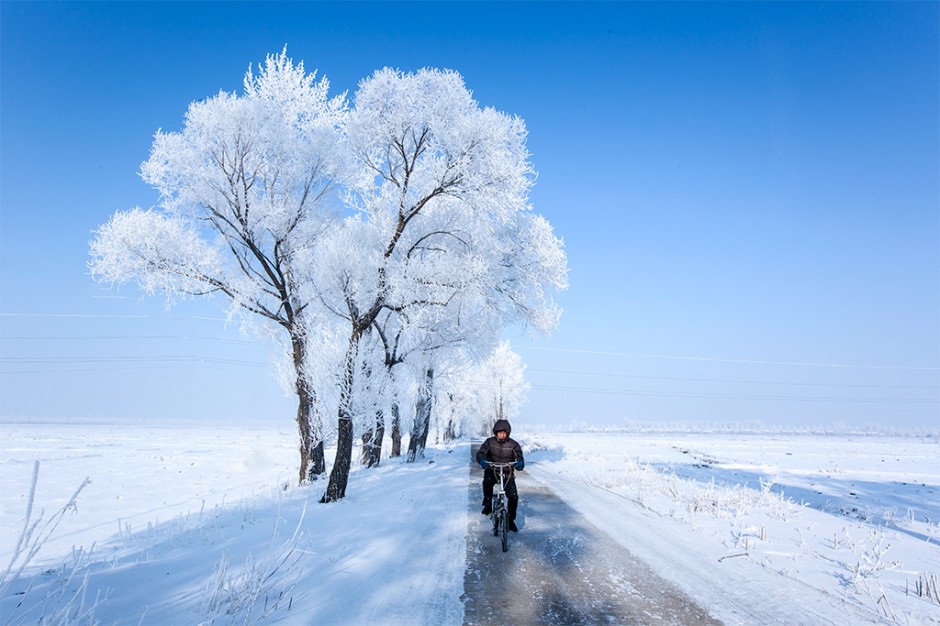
733 501
872 556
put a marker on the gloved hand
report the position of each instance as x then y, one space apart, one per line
484 463
520 464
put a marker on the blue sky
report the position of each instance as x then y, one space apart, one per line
749 195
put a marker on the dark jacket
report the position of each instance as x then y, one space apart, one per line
495 451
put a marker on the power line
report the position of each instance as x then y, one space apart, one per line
116 316
730 381
704 394
46 365
123 368
80 315
124 337
127 359
729 396
676 357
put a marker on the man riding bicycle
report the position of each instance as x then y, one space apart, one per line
500 449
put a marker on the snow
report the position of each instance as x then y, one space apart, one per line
203 524
168 507
765 529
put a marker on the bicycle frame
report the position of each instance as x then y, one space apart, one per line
500 514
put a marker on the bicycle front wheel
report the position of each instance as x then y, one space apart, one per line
504 528
497 507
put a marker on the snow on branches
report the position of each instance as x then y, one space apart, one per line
399 226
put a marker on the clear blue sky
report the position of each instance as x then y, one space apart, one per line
749 196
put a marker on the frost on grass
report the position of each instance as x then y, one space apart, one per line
258 589
64 597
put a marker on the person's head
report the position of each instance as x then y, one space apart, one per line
502 429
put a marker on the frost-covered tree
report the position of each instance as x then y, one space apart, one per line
443 234
242 189
472 393
397 348
393 355
438 247
424 404
455 401
424 345
501 387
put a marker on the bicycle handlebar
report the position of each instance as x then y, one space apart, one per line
503 470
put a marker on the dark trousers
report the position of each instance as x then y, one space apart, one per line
512 496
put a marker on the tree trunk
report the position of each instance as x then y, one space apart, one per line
419 434
450 432
366 451
303 428
339 476
499 411
312 457
396 431
317 467
317 460
429 389
312 461
415 435
372 442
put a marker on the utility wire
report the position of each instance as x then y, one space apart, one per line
126 359
676 357
69 364
729 380
123 338
729 396
116 316
83 315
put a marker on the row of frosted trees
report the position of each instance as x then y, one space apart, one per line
384 242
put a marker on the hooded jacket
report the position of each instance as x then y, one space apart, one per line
497 451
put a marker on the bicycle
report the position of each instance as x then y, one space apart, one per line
500 505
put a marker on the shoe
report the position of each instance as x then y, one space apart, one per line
512 526
487 510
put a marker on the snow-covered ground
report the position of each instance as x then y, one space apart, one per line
766 528
200 525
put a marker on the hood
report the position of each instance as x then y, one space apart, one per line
502 425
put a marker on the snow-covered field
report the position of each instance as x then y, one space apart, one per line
191 525
200 525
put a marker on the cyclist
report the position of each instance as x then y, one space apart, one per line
500 449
